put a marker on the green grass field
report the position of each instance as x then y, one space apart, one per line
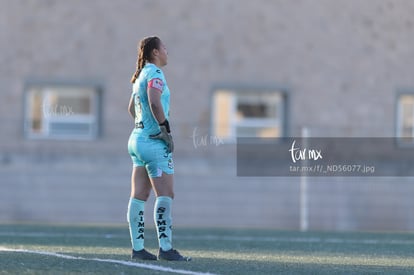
50 249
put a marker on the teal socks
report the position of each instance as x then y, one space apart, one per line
163 220
135 217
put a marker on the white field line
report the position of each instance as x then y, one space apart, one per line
126 263
217 238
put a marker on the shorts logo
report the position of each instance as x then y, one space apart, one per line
170 164
156 83
159 172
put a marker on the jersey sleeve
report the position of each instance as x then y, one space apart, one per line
156 80
156 83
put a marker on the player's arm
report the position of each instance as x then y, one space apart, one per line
154 92
131 107
154 98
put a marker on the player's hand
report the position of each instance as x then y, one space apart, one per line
165 136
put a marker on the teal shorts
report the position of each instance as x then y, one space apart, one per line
151 154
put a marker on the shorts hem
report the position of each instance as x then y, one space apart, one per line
155 176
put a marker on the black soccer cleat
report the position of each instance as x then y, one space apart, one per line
172 255
143 255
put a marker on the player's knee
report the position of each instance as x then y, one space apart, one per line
142 195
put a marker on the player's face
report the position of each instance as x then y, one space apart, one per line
163 54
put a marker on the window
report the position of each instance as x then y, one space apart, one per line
405 118
56 111
248 113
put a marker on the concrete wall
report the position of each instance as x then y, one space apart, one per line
342 63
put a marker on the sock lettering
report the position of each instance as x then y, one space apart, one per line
141 225
161 221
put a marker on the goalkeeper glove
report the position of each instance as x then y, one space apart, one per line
165 135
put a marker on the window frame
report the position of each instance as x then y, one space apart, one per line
243 89
95 119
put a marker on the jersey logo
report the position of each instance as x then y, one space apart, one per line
156 83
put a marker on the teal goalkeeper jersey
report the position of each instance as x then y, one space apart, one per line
150 77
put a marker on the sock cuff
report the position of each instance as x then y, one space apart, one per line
164 199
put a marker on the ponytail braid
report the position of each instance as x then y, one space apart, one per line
145 48
140 62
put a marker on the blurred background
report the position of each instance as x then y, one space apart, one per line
259 68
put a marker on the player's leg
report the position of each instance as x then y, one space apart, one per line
140 191
140 183
162 180
163 189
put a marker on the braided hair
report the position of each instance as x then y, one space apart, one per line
145 48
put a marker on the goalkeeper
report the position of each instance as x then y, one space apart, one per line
150 146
